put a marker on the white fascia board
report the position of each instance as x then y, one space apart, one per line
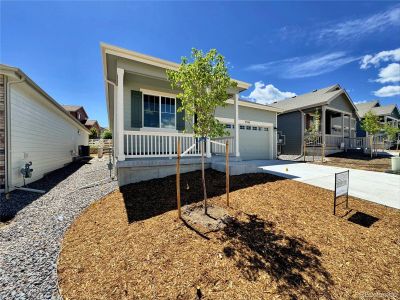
256 106
244 122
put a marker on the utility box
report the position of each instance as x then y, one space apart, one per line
84 150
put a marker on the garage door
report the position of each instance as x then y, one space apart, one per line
254 142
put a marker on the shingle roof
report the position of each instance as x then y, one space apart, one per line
72 107
363 108
317 97
375 107
90 122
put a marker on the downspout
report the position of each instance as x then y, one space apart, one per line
7 124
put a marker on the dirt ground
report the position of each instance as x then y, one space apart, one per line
358 161
280 241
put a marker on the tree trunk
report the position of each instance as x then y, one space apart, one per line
203 177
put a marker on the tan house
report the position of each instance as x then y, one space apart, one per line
146 126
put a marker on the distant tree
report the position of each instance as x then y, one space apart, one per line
392 133
107 135
203 83
371 125
93 133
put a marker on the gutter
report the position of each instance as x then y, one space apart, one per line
8 132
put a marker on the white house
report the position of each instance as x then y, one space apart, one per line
142 112
33 128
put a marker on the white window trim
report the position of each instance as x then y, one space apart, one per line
159 95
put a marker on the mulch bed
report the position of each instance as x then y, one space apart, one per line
280 241
358 161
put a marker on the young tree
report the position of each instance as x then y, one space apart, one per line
392 133
371 125
93 133
203 83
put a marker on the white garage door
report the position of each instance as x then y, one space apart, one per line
254 142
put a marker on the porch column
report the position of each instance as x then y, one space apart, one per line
323 124
237 125
120 114
343 127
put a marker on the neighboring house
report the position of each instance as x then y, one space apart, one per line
143 117
78 112
33 128
337 116
93 124
387 114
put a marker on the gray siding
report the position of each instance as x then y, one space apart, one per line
290 125
342 103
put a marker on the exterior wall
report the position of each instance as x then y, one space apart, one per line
2 130
342 103
40 133
290 125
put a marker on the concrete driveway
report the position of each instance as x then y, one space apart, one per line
382 188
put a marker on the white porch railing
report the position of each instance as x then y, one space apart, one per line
221 149
139 144
333 140
105 143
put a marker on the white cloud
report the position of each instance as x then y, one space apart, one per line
305 66
390 73
356 28
388 91
267 93
383 56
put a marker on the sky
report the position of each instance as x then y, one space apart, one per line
282 48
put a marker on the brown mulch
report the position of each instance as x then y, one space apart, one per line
281 241
358 161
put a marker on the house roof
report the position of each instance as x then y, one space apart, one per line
72 108
151 60
315 98
376 108
18 73
91 122
247 103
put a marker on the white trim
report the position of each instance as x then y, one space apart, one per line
255 105
158 93
244 122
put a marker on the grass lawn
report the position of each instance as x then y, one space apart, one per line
280 241
358 161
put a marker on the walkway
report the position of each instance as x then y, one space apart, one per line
382 188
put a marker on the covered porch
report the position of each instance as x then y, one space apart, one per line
337 130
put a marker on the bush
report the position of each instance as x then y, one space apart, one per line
107 135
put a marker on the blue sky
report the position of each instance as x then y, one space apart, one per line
281 48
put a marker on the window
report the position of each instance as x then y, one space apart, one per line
255 128
265 129
159 112
228 126
151 111
241 127
248 127
167 112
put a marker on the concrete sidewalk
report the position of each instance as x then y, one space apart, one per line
382 188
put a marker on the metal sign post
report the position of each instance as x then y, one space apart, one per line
341 188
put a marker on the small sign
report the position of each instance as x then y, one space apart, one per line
341 183
341 188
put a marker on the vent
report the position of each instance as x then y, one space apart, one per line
314 91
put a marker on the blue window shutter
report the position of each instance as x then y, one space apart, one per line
136 109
